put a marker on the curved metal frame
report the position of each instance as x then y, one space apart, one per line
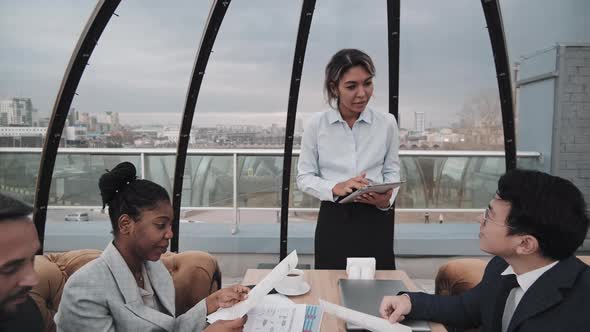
106 8
393 32
307 8
493 15
216 15
95 25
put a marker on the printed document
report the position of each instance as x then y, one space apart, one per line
276 318
363 320
257 293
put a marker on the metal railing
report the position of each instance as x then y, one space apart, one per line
436 181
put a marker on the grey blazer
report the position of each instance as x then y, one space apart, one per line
103 296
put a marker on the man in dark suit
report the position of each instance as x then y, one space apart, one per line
18 245
533 226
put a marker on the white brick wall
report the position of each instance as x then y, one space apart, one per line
574 107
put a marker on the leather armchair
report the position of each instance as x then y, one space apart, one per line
195 275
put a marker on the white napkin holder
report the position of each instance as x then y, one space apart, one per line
360 268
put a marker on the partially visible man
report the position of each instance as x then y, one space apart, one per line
533 226
18 245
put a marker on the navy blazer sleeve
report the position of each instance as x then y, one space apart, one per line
460 310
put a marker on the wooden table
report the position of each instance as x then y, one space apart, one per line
324 285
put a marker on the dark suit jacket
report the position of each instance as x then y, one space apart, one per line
558 301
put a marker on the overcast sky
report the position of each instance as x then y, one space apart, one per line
144 60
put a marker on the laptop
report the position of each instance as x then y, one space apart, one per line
366 295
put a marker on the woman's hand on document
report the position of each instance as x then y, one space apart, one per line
227 325
350 185
395 308
226 297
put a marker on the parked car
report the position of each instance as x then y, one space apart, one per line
79 216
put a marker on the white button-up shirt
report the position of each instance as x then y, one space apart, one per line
332 152
148 296
525 281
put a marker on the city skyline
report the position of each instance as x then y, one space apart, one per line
202 119
108 129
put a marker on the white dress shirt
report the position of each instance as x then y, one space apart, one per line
525 281
148 296
332 152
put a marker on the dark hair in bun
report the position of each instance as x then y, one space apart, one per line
125 194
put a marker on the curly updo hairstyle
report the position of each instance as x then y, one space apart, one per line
125 194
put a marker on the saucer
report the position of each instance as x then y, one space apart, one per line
302 289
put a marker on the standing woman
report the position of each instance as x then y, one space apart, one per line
128 288
343 149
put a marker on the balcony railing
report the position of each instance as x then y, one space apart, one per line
228 185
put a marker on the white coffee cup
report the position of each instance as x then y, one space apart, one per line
293 280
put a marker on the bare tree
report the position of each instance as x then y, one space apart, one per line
481 111
480 119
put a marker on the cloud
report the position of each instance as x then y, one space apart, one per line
145 57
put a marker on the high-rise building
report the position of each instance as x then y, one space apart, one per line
84 118
16 112
92 123
113 120
420 121
72 116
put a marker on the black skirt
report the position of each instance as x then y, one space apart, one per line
353 230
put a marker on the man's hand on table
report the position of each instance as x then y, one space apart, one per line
395 308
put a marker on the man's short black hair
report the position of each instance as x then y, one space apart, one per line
12 208
547 207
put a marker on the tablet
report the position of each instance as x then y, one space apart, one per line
374 188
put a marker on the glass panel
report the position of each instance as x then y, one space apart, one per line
481 181
244 94
450 192
208 183
413 194
208 179
259 181
132 93
259 177
547 23
37 40
75 177
531 163
299 199
448 101
19 174
160 169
